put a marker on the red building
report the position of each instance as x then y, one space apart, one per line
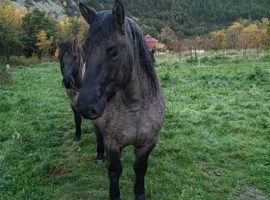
151 42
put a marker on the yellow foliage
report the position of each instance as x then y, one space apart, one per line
43 42
83 30
265 22
11 14
251 28
219 39
251 36
66 29
236 26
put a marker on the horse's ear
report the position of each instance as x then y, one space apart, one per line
88 14
118 12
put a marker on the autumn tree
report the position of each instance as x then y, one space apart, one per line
251 36
10 30
32 23
44 43
264 26
233 34
70 28
219 39
169 37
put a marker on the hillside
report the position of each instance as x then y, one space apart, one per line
190 17
185 17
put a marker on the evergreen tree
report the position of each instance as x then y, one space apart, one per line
32 23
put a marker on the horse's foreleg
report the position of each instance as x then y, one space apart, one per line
100 146
114 171
78 122
140 168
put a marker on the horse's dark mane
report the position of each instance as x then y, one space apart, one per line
144 54
103 25
65 47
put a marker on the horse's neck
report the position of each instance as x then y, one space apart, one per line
139 88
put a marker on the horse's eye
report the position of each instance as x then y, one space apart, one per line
113 53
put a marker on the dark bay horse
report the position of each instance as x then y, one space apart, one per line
72 63
121 92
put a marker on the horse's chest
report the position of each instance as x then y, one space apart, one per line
132 125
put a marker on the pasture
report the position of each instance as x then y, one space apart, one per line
214 145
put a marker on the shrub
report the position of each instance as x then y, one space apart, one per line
259 75
265 57
205 59
5 76
191 60
23 61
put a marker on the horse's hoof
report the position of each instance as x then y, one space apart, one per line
76 139
76 142
99 162
100 158
140 197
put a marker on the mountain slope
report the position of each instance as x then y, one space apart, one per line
190 17
185 17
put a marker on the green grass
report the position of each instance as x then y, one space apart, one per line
215 143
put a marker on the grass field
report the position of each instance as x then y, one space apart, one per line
215 143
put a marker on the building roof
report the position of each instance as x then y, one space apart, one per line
149 38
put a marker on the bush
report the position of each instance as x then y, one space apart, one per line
19 61
259 75
23 61
205 59
191 60
265 57
5 76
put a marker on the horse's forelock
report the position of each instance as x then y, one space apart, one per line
65 47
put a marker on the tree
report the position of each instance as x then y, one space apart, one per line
251 36
70 28
10 30
32 23
265 37
149 30
44 43
219 39
168 36
233 34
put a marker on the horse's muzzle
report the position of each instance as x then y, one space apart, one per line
91 111
68 82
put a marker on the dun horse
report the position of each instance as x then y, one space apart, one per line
120 92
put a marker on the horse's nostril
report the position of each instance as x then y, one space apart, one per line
93 111
68 82
71 82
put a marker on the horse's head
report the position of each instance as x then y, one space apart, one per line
68 62
109 59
